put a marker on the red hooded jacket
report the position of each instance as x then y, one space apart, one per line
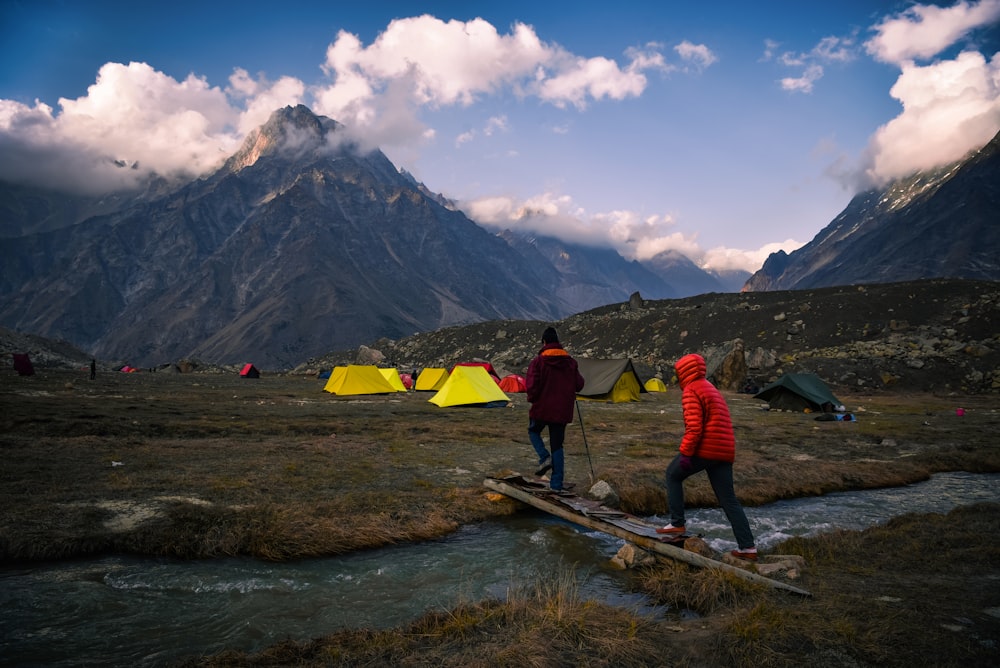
708 428
552 382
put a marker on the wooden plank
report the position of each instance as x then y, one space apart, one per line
652 544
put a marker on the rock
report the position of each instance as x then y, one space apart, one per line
699 546
369 356
605 493
794 560
630 556
731 374
736 561
770 570
636 302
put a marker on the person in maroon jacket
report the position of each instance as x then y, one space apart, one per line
552 382
709 445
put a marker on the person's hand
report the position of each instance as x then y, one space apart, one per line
685 463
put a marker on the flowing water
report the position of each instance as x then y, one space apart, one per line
124 611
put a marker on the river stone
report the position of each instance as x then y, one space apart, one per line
630 556
605 493
699 546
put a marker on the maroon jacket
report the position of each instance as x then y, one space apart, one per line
552 382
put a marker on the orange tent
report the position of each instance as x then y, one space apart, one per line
513 383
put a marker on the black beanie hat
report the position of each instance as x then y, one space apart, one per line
550 336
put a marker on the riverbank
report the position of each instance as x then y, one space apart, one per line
212 465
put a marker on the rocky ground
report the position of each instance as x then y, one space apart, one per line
925 336
940 336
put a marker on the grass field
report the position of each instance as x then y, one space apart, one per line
203 465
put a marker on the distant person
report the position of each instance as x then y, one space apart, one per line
709 445
552 382
93 368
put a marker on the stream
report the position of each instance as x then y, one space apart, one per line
129 611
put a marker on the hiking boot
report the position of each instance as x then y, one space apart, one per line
671 529
750 554
545 468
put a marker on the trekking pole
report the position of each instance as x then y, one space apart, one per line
587 447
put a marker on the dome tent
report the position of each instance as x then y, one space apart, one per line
798 392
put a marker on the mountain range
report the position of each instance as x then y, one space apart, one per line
302 243
939 223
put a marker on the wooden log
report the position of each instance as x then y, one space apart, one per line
667 550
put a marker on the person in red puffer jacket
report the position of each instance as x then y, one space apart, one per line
552 381
708 445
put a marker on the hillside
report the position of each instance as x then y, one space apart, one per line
936 335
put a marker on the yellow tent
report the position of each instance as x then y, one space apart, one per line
655 385
357 379
469 386
609 380
432 378
392 375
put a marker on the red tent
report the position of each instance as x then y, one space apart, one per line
407 380
513 383
250 371
22 364
486 365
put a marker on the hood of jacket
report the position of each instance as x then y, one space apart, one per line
690 368
553 353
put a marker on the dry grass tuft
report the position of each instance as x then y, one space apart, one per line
683 587
542 623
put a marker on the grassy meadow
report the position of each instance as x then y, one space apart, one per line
208 465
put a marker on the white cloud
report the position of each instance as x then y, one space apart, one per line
923 31
132 114
144 118
263 97
633 235
459 62
496 124
828 50
723 259
949 108
698 54
804 83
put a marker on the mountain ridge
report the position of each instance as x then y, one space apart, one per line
301 243
934 223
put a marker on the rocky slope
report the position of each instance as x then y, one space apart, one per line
934 336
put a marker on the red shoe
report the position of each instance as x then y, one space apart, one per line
671 529
745 554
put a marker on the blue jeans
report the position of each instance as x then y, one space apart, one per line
720 475
557 434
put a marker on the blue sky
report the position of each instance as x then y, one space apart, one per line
724 130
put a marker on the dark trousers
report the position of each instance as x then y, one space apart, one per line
720 475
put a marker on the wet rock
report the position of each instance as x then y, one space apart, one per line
630 556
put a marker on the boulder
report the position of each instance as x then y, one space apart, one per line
630 556
605 493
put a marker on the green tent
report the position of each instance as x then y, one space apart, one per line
609 380
798 392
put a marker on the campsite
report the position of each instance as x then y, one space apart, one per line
206 465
